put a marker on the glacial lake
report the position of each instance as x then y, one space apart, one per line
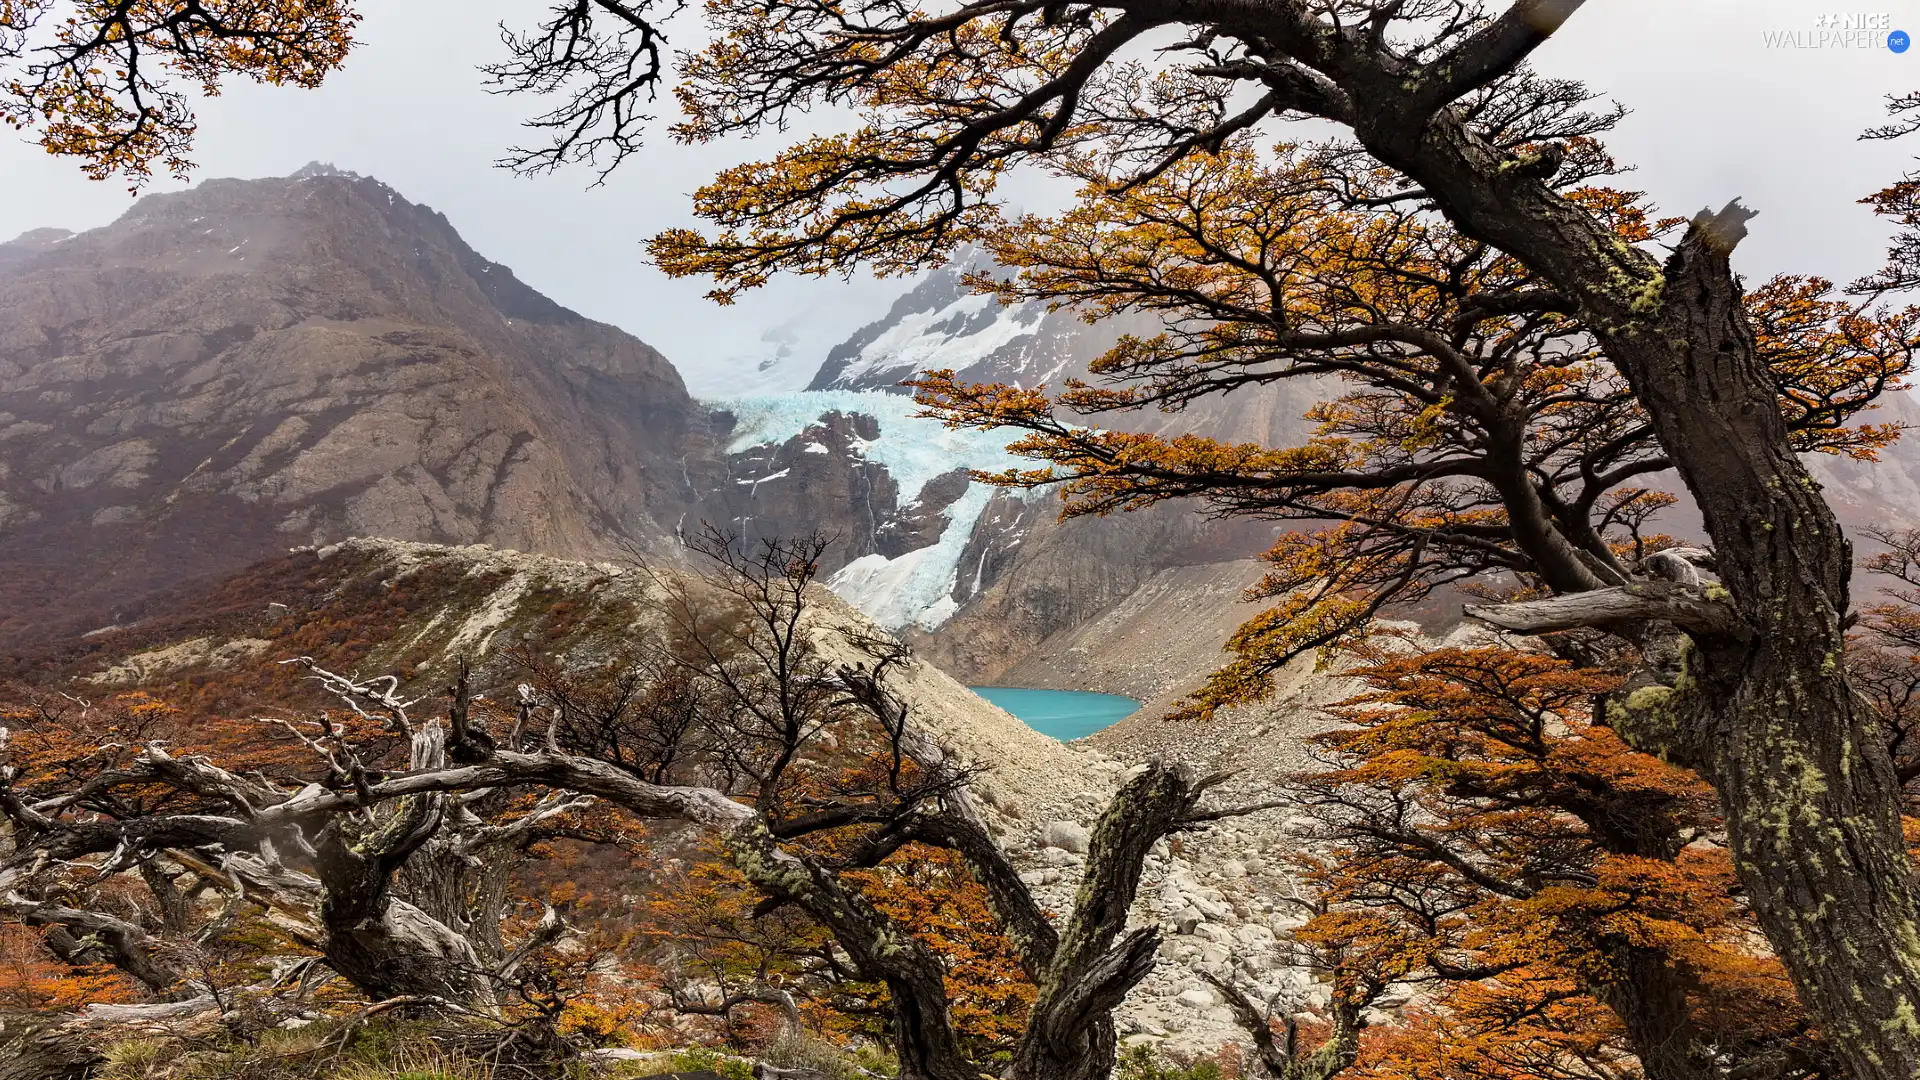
1063 714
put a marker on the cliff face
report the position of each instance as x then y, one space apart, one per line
1025 585
249 365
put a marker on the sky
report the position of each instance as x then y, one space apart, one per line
1717 112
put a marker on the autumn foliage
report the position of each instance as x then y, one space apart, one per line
1471 428
102 82
1563 905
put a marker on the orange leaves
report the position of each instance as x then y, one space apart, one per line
926 102
1257 237
100 86
1542 878
705 916
1832 359
31 981
931 891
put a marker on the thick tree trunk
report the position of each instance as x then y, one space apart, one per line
1815 831
1811 799
382 945
1765 711
1650 998
36 1049
1070 1033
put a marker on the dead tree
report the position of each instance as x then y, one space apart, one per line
333 849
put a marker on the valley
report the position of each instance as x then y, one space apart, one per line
272 446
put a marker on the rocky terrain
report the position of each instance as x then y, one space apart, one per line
415 609
941 323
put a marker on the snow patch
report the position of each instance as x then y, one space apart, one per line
955 336
916 588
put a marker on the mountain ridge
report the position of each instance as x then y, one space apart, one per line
248 365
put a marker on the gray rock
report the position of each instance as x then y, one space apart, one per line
1198 997
1069 835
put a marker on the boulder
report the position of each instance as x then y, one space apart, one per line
1198 997
1066 835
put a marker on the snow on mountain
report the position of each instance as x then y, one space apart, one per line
779 372
940 323
915 588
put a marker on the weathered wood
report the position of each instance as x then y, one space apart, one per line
1621 606
41 1049
1070 1033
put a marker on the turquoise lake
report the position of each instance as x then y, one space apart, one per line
1063 714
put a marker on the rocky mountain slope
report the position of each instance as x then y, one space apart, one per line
941 323
415 611
253 364
248 364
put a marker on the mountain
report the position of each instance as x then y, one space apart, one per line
1006 587
941 323
228 370
251 365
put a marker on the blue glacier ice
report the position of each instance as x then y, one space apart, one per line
916 588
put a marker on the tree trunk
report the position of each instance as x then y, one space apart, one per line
1811 799
34 1049
1070 1033
1650 998
384 946
1765 711
923 1032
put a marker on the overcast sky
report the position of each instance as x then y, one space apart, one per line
1716 113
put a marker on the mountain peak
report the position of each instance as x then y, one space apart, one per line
321 168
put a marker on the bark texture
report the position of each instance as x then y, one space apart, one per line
1070 1033
1762 708
32 1049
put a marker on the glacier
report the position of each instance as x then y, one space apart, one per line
915 589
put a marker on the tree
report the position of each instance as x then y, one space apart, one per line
96 78
806 820
138 776
1485 433
725 955
108 82
1564 901
1436 97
